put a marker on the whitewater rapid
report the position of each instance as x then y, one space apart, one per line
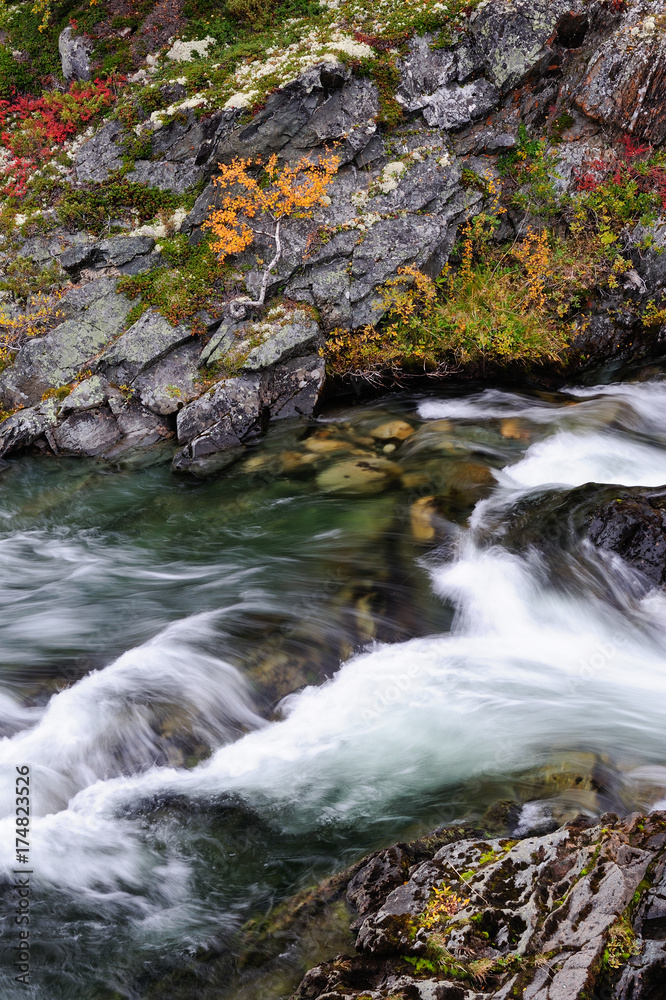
528 669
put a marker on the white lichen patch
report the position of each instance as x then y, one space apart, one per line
184 51
390 176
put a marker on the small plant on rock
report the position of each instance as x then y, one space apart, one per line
291 190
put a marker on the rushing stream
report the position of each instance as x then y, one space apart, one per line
227 689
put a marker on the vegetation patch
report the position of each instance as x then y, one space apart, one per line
192 279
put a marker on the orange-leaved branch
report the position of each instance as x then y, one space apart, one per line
281 191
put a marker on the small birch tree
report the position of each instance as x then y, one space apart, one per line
290 190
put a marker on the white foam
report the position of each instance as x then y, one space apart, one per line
568 459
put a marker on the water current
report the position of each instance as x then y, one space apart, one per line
228 689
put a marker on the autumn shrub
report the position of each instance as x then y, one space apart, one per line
24 278
489 312
33 128
275 194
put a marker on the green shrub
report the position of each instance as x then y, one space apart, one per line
93 207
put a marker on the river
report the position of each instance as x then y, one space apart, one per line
227 689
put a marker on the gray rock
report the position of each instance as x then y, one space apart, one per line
221 341
231 414
274 339
558 898
56 358
390 244
218 422
26 426
166 176
346 118
327 288
171 382
118 252
514 37
109 432
146 341
74 55
452 107
648 253
294 388
88 432
87 395
101 155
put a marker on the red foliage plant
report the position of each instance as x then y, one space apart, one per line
33 127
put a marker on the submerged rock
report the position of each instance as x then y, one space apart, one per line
362 475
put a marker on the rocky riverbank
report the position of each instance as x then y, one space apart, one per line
572 914
514 147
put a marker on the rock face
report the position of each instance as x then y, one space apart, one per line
97 314
398 200
570 915
624 82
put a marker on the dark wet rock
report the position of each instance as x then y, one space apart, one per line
634 527
147 341
500 918
97 314
109 431
347 117
120 252
74 55
90 432
234 412
26 426
218 422
293 389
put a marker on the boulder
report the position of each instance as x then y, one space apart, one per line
171 382
26 426
129 254
97 315
74 55
235 410
147 341
109 432
572 914
634 527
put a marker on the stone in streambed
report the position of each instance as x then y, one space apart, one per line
363 475
392 430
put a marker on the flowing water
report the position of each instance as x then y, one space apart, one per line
228 689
